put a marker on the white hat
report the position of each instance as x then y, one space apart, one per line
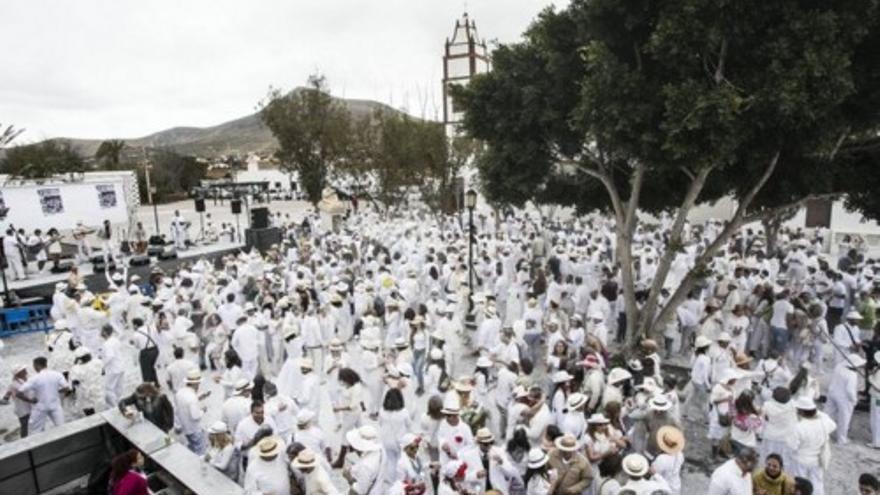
290 331
598 419
438 335
723 337
635 365
408 439
335 344
856 360
268 447
566 443
194 376
804 403
364 439
463 384
659 403
370 344
18 369
306 363
617 375
218 427
242 385
81 351
405 369
635 465
576 400
727 375
61 324
304 416
484 362
304 460
537 458
702 341
854 315
484 435
561 376
436 354
451 405
249 306
877 357
520 392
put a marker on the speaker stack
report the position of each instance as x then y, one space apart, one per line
236 206
261 235
200 205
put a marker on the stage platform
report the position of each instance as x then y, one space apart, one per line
44 285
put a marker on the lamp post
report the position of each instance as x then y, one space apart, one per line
470 200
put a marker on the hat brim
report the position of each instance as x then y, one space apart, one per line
357 442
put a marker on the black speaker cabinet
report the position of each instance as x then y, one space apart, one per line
260 218
236 206
262 239
200 205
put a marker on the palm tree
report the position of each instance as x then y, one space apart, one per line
109 154
8 135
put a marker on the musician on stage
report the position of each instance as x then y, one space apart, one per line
80 234
13 252
178 230
108 244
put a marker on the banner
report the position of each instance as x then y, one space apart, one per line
50 201
106 196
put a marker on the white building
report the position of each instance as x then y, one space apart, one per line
465 56
279 180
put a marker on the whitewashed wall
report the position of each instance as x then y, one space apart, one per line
80 203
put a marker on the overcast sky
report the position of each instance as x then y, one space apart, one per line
126 68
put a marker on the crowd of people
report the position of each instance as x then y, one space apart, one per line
522 385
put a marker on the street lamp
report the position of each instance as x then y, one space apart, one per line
470 200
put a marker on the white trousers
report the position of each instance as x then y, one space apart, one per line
875 421
16 266
37 422
249 368
814 474
841 412
113 388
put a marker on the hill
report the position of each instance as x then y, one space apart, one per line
240 136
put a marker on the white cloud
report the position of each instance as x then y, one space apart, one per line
125 68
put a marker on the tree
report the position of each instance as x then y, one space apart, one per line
173 174
8 135
42 160
109 154
312 131
659 106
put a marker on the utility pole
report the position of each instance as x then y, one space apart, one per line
150 191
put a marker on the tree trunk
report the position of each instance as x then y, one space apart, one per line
771 232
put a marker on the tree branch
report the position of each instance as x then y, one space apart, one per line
688 172
719 70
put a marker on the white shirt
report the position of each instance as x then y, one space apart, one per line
729 479
247 429
188 410
264 477
45 386
781 309
245 341
367 474
234 410
808 437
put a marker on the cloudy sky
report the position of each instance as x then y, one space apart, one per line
127 68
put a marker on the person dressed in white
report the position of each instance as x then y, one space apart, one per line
114 365
267 472
412 469
317 481
734 477
238 406
874 394
847 337
46 385
365 476
12 251
178 230
245 341
810 445
189 411
668 464
780 417
489 468
87 380
453 434
843 394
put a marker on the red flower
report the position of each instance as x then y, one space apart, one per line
458 439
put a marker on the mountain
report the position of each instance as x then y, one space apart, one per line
240 136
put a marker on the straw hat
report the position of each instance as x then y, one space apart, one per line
463 385
451 405
484 436
670 439
723 337
335 344
742 359
854 315
269 447
364 439
804 403
702 341
304 416
80 352
242 385
484 362
306 459
566 443
635 465
194 376
306 363
617 375
537 458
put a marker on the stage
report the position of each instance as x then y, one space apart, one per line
43 286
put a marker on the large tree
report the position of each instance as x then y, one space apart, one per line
42 160
312 130
658 106
109 154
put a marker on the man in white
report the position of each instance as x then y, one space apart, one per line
12 251
114 365
316 479
641 480
190 411
847 337
843 394
238 406
267 474
734 477
488 466
46 385
809 444
247 428
245 341
178 370
178 230
365 476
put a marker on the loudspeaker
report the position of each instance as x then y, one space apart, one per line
262 239
64 266
168 253
260 218
98 264
155 250
200 205
236 206
140 260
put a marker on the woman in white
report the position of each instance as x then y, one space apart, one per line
780 418
435 372
371 374
412 469
721 409
669 462
539 477
573 421
87 378
394 423
222 453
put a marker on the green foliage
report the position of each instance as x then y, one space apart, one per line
312 132
42 160
8 135
109 155
677 87
173 174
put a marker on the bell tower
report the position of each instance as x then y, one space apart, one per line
465 56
